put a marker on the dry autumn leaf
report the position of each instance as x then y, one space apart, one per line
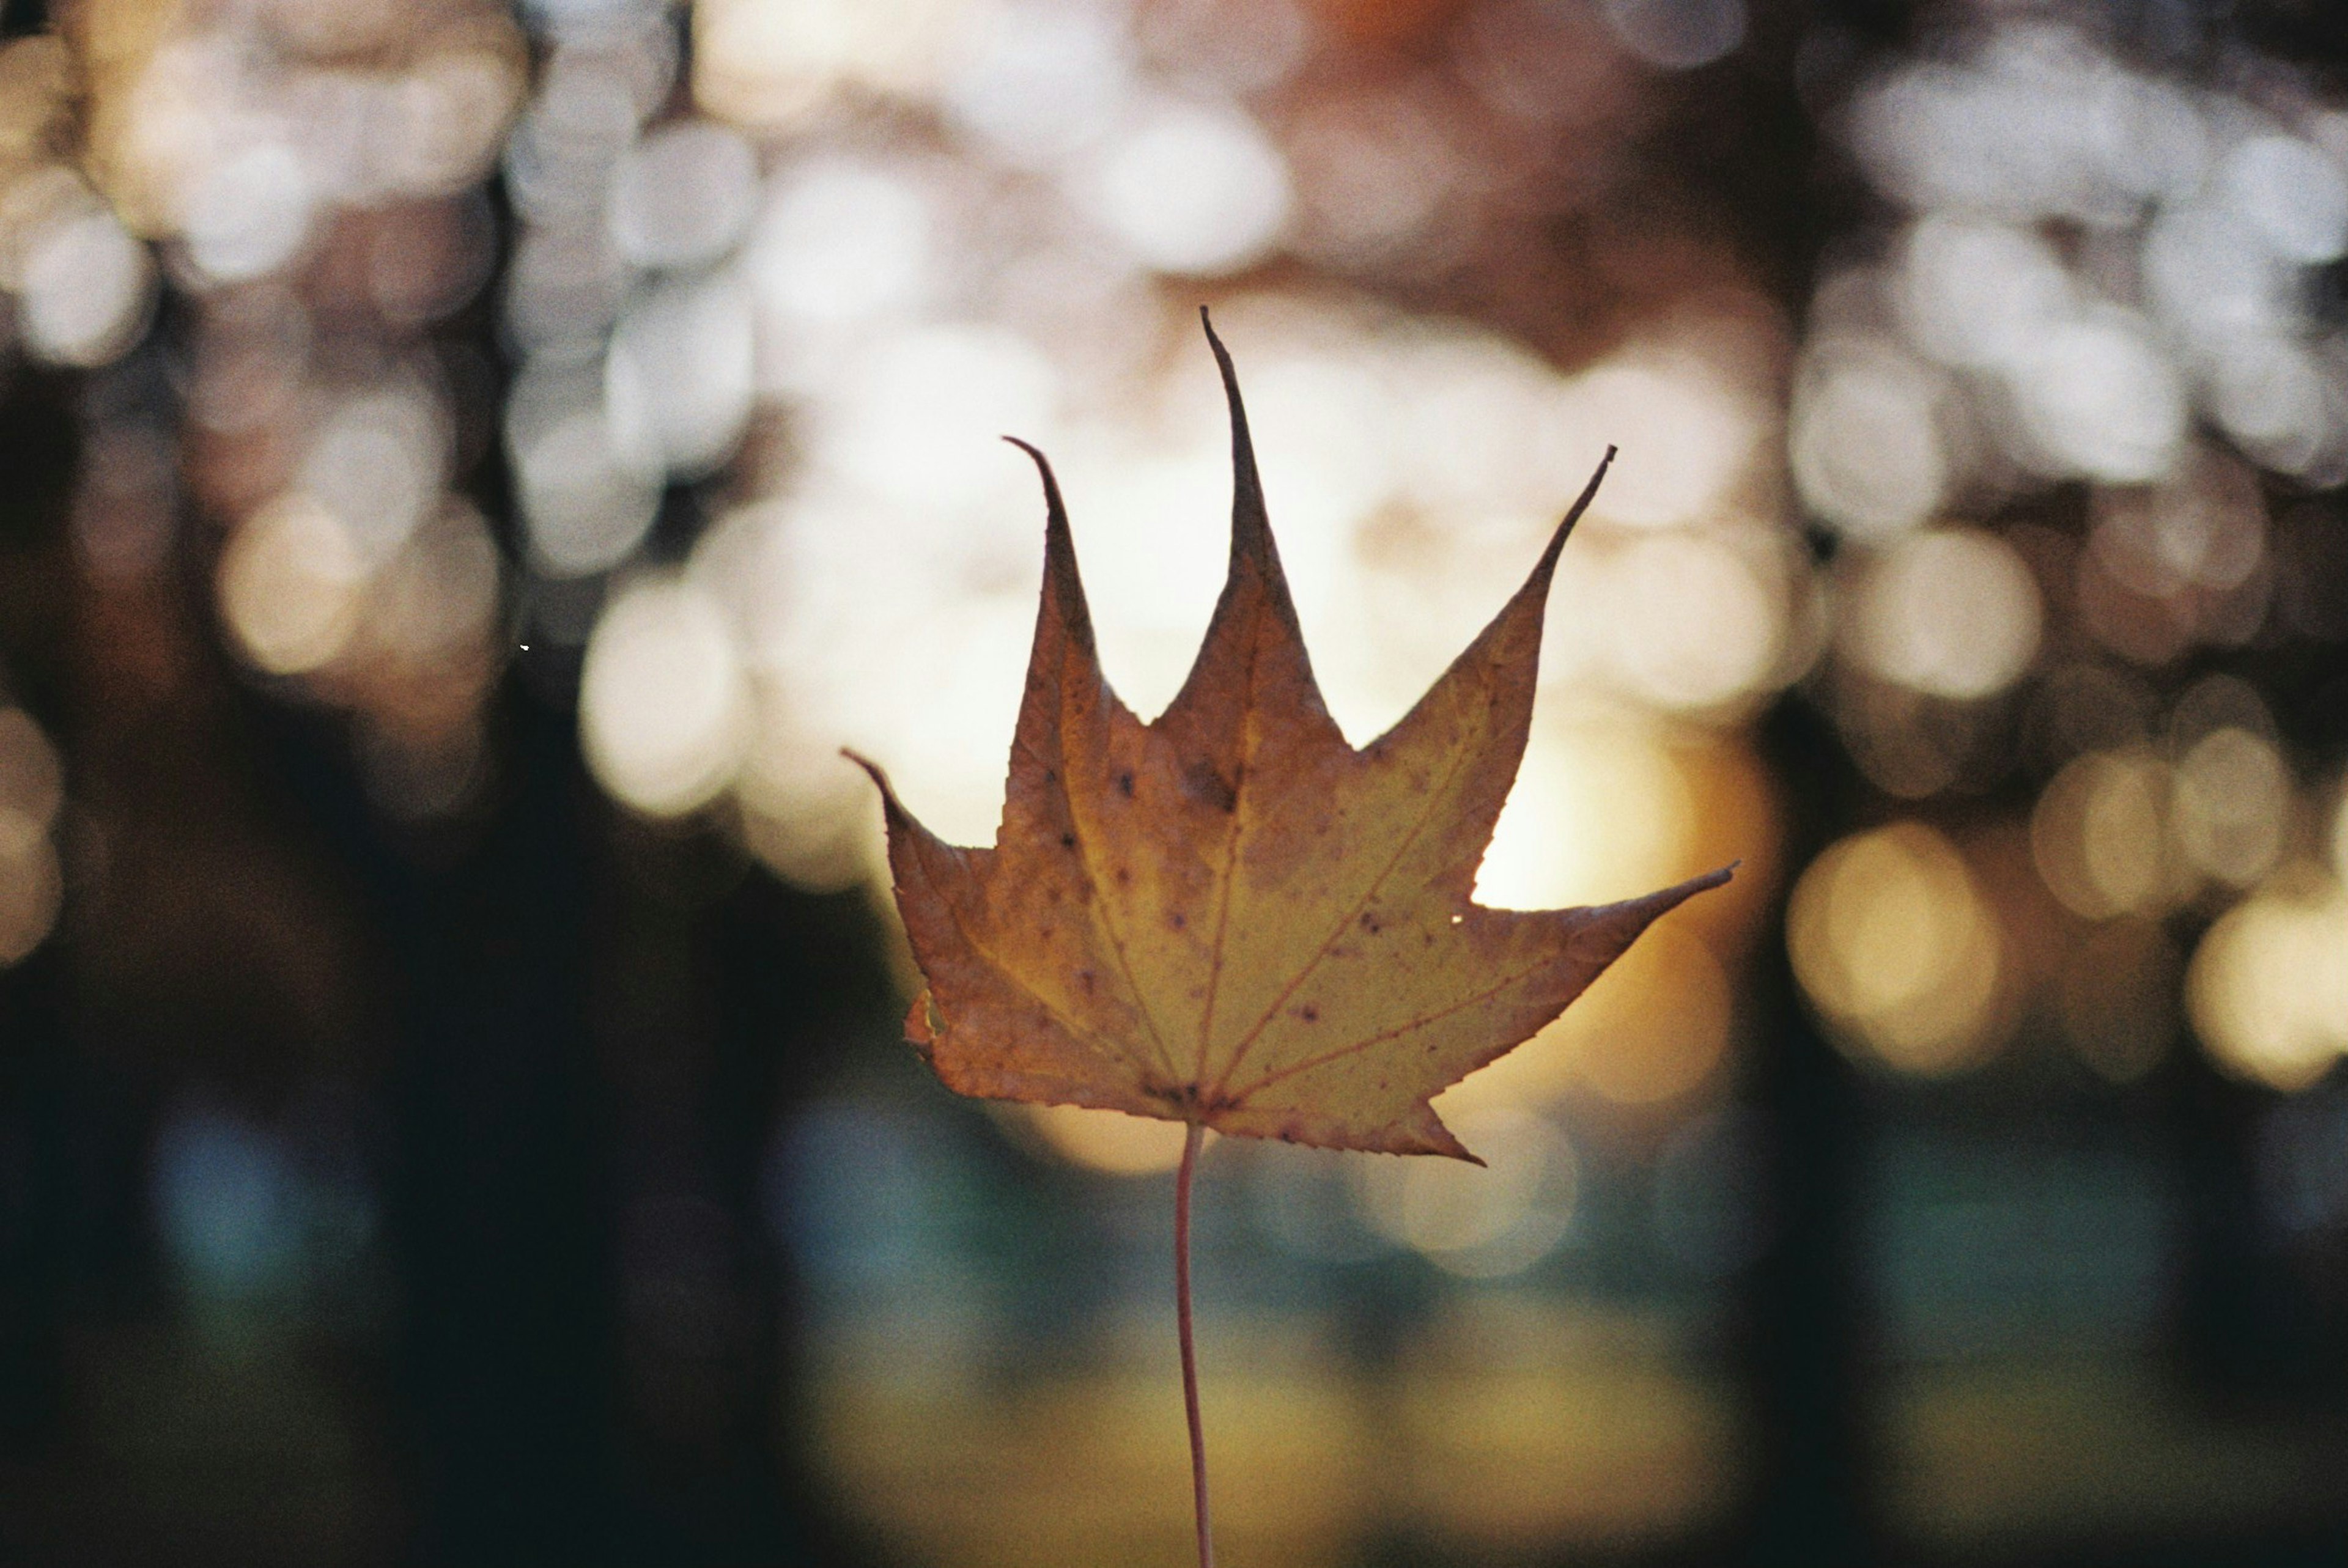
1230 916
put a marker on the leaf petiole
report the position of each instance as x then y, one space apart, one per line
1190 1351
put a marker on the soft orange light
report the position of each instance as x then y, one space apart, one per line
1601 810
1107 1141
2233 805
1897 948
2100 837
290 584
2268 989
663 706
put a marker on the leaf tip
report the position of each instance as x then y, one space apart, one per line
1580 505
1251 529
880 776
1059 547
1428 1135
1671 898
1056 512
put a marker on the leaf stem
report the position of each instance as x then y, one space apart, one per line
1190 1351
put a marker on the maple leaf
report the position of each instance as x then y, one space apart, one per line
1230 915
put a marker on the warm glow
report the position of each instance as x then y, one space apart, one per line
1685 434
935 705
2100 837
839 240
1952 612
1896 946
1109 1141
1037 86
1690 619
2234 802
1193 189
913 419
807 811
1482 1222
32 790
769 62
1492 430
887 589
291 585
1654 1026
1867 444
663 708
1601 810
84 288
2268 989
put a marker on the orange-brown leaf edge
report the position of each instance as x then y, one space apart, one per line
1230 915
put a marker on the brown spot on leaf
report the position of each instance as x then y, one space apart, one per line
1210 787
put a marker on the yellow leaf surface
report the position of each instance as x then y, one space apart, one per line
1230 915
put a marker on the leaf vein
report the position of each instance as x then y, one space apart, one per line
962 926
1249 738
1101 914
1418 826
1408 1026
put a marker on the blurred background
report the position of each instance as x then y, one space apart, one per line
467 470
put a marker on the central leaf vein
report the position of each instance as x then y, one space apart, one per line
1418 824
